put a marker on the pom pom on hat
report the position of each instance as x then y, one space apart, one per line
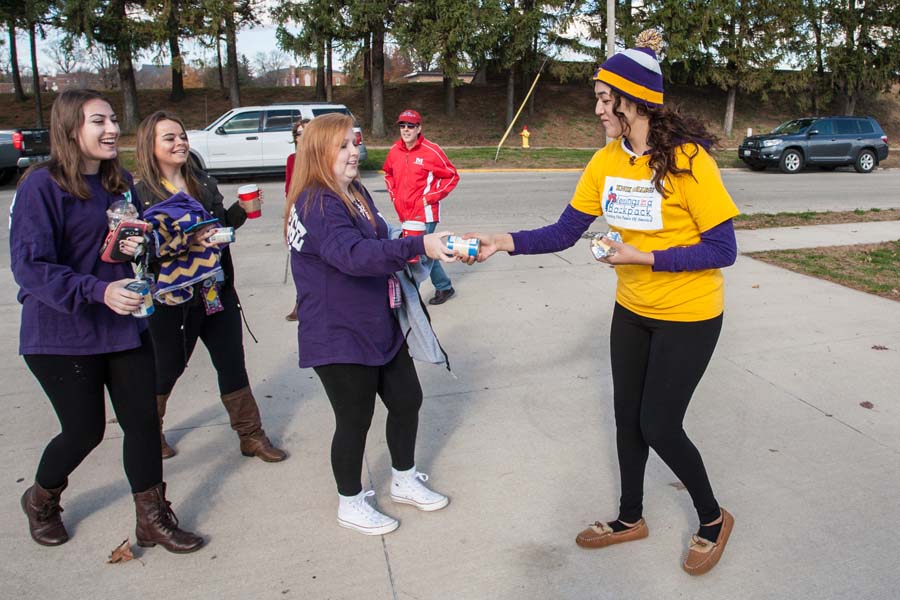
635 72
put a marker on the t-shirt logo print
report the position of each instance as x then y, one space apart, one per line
296 231
420 161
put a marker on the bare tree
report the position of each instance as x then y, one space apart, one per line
267 66
102 59
66 54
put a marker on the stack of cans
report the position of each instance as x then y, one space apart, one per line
599 248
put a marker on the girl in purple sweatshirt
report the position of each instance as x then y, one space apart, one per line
77 333
343 263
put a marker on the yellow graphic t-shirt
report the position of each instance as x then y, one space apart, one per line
623 193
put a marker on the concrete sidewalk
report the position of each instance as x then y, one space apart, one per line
522 439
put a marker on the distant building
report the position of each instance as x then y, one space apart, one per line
305 76
433 76
58 83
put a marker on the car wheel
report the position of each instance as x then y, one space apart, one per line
791 161
865 162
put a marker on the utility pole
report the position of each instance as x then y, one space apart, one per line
610 27
610 34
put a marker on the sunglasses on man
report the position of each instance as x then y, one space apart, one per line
408 125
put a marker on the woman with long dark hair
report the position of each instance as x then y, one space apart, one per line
164 169
78 335
344 264
658 187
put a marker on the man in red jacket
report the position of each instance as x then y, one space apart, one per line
418 176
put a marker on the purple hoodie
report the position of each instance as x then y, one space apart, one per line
341 266
54 242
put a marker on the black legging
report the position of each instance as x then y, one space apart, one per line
351 390
656 365
220 332
74 385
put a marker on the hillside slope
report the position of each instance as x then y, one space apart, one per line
563 114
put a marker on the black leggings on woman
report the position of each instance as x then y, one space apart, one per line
74 385
176 330
656 365
351 390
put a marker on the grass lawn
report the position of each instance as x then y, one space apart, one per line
871 268
510 158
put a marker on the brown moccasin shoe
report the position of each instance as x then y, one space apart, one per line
600 535
704 554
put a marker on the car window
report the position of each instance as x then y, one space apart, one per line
281 120
845 126
324 111
795 126
824 127
865 126
245 122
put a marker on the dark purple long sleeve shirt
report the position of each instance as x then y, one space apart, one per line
717 247
55 240
341 265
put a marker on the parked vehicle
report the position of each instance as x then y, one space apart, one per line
20 148
257 139
827 142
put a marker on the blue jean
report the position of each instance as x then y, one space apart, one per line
439 278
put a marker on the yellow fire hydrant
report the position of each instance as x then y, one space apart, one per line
525 135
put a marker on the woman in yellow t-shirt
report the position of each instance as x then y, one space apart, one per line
657 187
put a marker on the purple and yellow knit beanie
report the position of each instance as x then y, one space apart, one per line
635 73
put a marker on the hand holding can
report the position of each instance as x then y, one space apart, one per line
463 246
600 249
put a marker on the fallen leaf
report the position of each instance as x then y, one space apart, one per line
678 485
755 286
867 404
112 421
772 450
122 553
879 347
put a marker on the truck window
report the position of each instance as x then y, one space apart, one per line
281 120
245 122
324 111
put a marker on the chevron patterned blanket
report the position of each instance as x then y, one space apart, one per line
184 262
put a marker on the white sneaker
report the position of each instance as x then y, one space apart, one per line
407 487
357 514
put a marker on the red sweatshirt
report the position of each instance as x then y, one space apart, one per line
418 179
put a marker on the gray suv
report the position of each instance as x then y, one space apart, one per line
826 142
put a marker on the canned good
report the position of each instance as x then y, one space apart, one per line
599 248
142 287
463 246
222 235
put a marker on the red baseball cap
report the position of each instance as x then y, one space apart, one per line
410 116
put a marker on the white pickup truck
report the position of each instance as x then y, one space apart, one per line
257 139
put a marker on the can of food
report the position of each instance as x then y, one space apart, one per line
142 287
599 248
221 235
463 246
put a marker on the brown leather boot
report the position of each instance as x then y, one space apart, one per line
167 450
157 524
42 507
245 420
